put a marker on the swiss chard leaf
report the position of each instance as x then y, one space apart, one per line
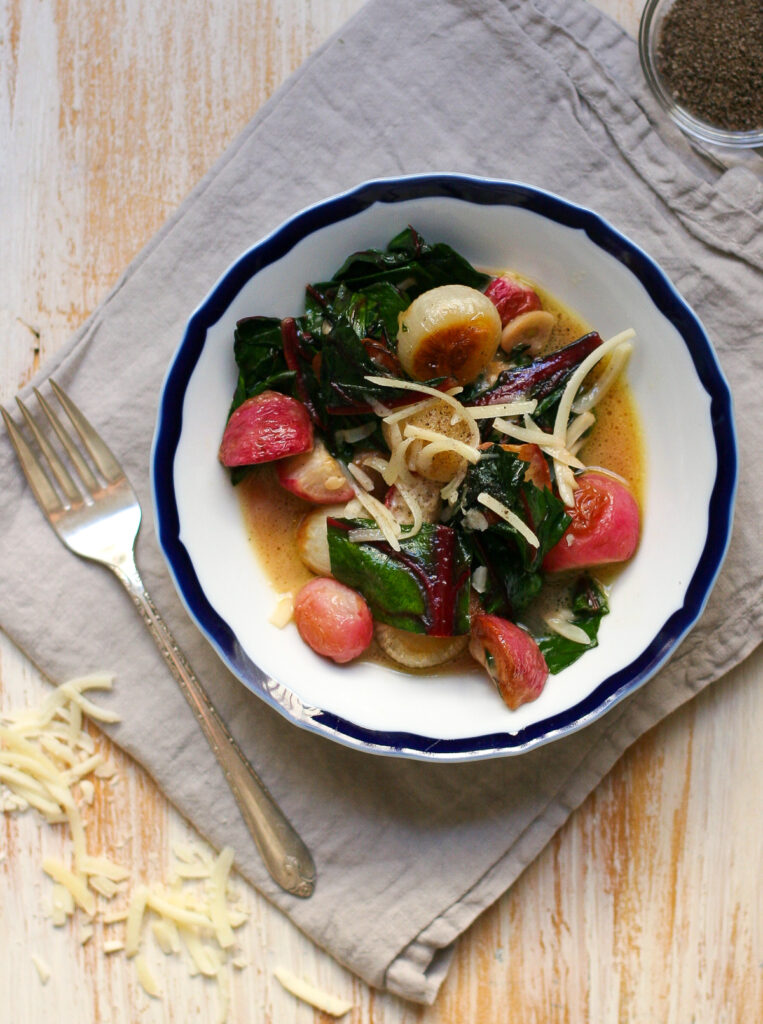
423 588
543 379
411 264
345 364
589 606
501 474
372 312
513 564
258 351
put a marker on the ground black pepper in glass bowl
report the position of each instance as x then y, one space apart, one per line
703 60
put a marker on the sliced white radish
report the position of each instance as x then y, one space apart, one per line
314 476
415 650
528 329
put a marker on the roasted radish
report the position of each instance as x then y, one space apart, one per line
512 658
605 526
264 428
511 298
333 620
531 330
312 542
415 650
451 331
314 476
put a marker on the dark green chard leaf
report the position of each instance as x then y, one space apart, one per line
589 606
258 350
513 565
371 313
345 364
409 263
423 588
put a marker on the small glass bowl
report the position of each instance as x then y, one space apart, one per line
649 34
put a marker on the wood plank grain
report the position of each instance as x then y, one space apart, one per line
646 905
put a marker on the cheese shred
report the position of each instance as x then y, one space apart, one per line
45 755
510 517
311 994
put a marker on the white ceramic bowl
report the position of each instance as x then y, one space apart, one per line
691 468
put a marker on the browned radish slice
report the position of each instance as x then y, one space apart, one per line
312 538
415 650
333 620
529 329
314 476
605 526
266 427
511 298
451 331
511 656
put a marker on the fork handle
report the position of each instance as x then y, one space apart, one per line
285 855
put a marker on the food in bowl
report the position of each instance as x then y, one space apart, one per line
435 416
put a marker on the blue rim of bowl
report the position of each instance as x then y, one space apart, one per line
481 191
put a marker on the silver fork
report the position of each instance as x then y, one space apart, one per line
98 518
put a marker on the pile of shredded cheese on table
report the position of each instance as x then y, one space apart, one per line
46 760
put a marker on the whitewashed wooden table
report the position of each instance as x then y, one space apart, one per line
644 908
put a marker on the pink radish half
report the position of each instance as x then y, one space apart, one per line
605 526
333 620
266 427
511 298
511 656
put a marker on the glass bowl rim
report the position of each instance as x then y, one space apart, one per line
687 122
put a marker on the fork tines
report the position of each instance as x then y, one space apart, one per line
34 468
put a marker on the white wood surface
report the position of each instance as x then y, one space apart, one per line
644 908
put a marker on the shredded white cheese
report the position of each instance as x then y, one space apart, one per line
361 476
81 895
283 611
445 396
577 378
617 362
42 968
579 426
561 624
218 910
145 977
379 513
417 407
311 994
479 579
565 481
442 442
414 507
476 520
166 935
518 408
608 472
528 435
510 517
369 536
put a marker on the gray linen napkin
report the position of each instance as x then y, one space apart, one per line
408 854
